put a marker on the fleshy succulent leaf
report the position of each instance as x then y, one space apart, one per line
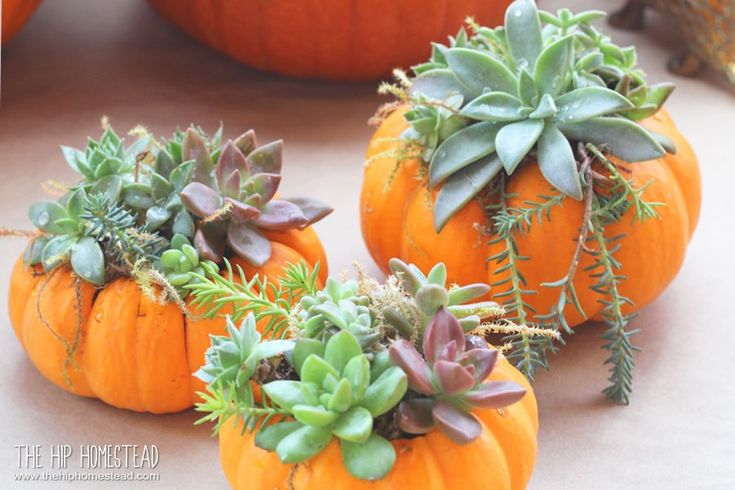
557 163
453 377
356 425
88 261
459 426
313 209
626 139
201 199
195 148
495 394
369 460
404 355
267 158
553 69
479 72
249 243
281 215
461 149
414 415
302 444
494 106
514 141
442 329
523 30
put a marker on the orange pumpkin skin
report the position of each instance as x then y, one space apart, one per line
502 458
333 39
128 351
15 14
397 222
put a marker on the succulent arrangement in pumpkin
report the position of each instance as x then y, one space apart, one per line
350 40
362 383
535 156
99 299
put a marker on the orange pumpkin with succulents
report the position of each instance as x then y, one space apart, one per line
385 386
341 40
98 300
15 14
555 175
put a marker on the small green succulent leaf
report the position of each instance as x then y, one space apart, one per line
183 223
88 261
386 391
341 348
303 444
585 103
285 393
181 175
355 425
272 348
75 204
137 196
480 72
626 139
369 460
156 216
34 251
546 108
514 141
56 251
665 142
431 297
461 149
553 69
109 185
557 163
314 416
73 157
438 84
160 187
494 106
437 275
315 369
523 31
357 373
165 164
341 398
333 313
45 214
461 187
527 91
269 437
303 349
381 363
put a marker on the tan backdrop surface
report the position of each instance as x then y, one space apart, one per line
77 60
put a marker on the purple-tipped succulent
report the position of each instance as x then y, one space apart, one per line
449 379
234 197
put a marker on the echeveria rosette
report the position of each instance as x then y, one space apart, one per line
430 293
234 197
336 396
449 380
531 89
231 360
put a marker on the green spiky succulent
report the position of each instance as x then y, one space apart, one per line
534 87
335 308
234 197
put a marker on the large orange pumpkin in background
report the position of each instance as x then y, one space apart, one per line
396 212
333 39
15 14
502 458
116 344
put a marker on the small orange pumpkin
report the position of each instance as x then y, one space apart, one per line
118 345
336 39
15 14
502 458
396 213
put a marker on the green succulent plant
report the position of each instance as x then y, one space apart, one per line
533 87
336 308
232 359
334 397
181 265
234 197
430 292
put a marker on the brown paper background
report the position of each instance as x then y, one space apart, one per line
77 60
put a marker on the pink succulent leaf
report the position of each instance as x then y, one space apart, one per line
241 211
246 142
442 329
313 209
209 240
483 361
230 160
194 148
263 184
200 199
247 242
281 215
267 158
449 352
459 426
414 415
474 342
495 394
404 355
231 185
453 377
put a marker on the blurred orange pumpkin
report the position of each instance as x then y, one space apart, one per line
15 14
333 39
